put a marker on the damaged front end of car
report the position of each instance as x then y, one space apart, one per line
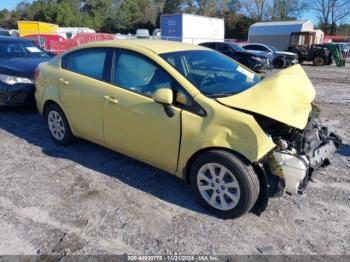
298 153
283 105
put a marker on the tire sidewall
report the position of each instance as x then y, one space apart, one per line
237 170
280 63
319 57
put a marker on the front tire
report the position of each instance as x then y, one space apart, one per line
224 183
58 125
280 63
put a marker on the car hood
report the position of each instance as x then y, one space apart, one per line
285 53
259 53
250 54
285 96
24 67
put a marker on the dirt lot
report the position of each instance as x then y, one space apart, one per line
85 199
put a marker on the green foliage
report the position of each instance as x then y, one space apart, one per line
172 6
125 16
237 26
344 29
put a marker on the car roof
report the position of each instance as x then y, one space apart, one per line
254 44
157 46
12 39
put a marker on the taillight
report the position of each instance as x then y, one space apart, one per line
36 75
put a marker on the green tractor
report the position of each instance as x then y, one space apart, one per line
337 54
303 44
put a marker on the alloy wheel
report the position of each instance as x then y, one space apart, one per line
56 125
218 186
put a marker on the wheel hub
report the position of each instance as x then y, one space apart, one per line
218 186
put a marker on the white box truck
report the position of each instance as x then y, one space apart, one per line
193 29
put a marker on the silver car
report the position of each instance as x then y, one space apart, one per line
280 59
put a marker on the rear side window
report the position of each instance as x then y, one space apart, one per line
209 45
254 47
88 62
249 47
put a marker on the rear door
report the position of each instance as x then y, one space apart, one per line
81 79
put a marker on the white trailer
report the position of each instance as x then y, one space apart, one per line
277 34
193 29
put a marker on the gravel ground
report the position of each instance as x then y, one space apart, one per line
84 199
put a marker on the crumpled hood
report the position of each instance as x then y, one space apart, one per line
286 53
285 96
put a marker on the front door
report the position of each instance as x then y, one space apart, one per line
133 123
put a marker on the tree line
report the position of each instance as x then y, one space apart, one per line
125 16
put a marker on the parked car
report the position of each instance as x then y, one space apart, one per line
18 60
257 62
344 48
44 40
280 59
228 132
157 33
142 33
4 32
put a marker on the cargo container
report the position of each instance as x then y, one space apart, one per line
192 29
33 27
278 34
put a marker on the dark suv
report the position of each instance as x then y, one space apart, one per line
258 63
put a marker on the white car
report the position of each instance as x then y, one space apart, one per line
280 59
142 33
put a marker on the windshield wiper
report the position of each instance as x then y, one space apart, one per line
219 95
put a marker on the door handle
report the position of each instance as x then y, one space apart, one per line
63 81
110 100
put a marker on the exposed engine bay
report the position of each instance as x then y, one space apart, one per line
299 152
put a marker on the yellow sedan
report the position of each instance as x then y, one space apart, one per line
235 137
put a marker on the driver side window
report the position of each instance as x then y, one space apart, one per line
139 74
263 48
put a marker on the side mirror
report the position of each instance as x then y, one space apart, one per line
164 96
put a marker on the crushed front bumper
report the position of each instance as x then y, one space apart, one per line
262 67
312 149
17 95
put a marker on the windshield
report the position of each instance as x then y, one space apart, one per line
20 49
237 48
214 74
272 48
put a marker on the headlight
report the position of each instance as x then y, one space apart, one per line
260 59
11 80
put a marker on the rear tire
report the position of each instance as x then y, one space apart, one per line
224 184
319 61
58 125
